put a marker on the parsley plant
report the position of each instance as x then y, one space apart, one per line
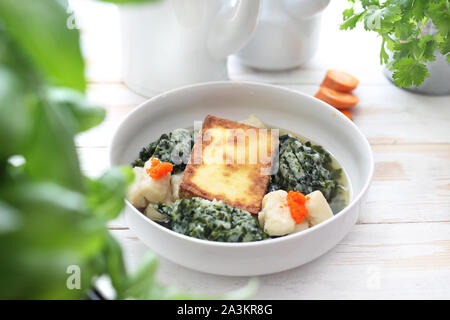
401 23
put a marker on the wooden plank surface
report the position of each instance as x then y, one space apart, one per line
400 247
405 261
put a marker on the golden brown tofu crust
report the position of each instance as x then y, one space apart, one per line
253 195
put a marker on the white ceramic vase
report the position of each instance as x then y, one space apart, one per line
286 36
172 43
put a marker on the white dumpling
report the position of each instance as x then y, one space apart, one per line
168 199
275 217
175 182
253 121
145 190
135 194
318 208
301 226
261 219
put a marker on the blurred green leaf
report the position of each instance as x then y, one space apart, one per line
9 218
129 1
14 59
51 153
40 29
24 193
115 266
54 232
105 195
143 280
85 114
14 113
143 285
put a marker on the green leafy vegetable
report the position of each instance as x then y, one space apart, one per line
305 167
211 220
400 23
174 147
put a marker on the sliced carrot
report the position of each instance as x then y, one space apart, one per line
339 100
348 113
340 81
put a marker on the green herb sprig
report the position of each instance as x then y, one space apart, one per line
400 24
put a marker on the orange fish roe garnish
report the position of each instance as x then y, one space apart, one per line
297 205
154 161
159 169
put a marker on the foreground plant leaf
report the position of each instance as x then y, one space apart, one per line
14 113
143 285
50 152
105 195
401 23
39 28
85 114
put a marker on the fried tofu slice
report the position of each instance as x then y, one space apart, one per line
230 161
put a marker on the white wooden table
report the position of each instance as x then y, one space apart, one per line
400 247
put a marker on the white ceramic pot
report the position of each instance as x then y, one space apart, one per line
279 107
173 43
286 36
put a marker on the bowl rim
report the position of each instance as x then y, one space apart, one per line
354 201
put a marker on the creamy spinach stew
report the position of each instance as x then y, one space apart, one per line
308 188
211 220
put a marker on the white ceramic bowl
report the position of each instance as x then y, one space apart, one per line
276 106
